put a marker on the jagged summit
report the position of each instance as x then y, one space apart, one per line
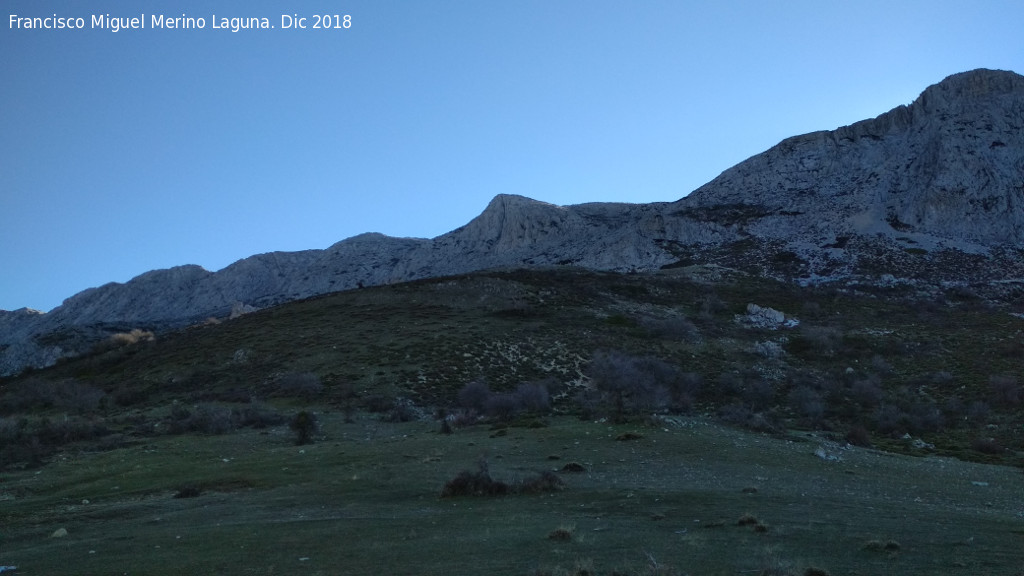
932 191
946 168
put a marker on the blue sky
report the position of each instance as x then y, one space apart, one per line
124 152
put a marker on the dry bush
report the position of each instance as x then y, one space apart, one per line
858 436
977 413
207 418
474 395
629 384
477 483
480 483
987 446
561 534
545 481
1005 391
299 385
533 396
808 403
38 393
305 426
748 520
134 337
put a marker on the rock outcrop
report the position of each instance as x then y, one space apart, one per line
930 191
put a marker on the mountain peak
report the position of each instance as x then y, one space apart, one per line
938 178
976 83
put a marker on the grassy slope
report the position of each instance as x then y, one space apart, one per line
365 500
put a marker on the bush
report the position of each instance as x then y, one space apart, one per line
759 394
30 442
480 483
630 384
977 413
305 426
188 491
808 403
402 410
215 419
212 419
379 403
477 483
819 341
739 415
259 415
545 481
300 385
561 534
123 339
675 328
858 436
889 419
867 392
474 395
987 446
37 393
1005 391
533 397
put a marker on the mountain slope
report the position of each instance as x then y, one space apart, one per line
933 191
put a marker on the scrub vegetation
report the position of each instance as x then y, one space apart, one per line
534 422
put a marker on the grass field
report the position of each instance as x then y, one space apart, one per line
365 499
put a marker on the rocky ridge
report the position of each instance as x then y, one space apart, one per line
928 192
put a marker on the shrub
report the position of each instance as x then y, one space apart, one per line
737 414
188 491
748 520
545 481
858 436
533 397
501 406
402 410
672 328
37 393
1005 391
925 417
379 403
684 390
807 402
986 446
629 384
300 385
474 395
480 483
123 339
822 341
213 419
867 392
889 419
30 442
477 483
561 534
305 426
977 413
259 415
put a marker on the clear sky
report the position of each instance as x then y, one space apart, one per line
121 152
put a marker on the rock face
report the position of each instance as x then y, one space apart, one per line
948 168
931 191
